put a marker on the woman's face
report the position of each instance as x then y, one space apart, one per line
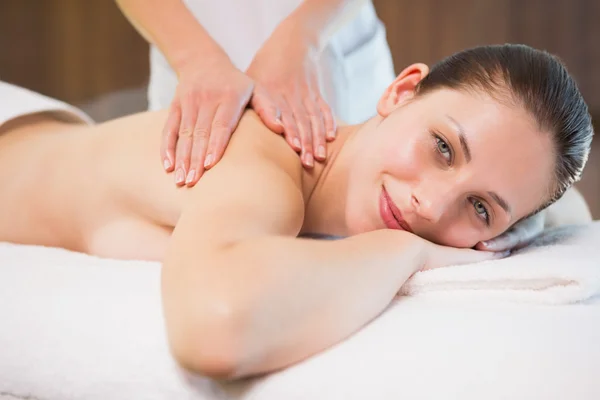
453 167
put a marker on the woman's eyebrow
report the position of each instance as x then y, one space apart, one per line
501 202
464 144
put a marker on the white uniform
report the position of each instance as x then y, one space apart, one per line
356 65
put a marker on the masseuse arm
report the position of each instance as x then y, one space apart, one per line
170 26
211 92
243 296
286 70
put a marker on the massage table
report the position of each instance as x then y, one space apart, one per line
75 326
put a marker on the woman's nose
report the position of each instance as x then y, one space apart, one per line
431 204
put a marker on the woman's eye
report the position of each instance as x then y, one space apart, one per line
481 210
443 149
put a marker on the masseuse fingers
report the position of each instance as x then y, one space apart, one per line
189 113
290 129
223 125
317 125
305 130
267 110
169 137
200 137
328 118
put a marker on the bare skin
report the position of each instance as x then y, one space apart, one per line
112 211
242 294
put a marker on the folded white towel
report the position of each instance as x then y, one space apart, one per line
561 266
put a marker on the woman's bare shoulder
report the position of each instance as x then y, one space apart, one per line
252 137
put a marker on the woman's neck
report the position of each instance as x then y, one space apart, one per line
325 186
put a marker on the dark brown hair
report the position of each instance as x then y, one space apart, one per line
535 80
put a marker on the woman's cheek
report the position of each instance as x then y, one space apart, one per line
404 158
460 235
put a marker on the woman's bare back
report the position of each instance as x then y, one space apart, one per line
99 190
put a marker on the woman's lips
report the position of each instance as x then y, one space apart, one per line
391 215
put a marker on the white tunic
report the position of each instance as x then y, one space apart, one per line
356 65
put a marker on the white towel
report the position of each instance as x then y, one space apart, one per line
561 266
16 101
79 327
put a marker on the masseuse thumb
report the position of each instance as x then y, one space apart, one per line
268 112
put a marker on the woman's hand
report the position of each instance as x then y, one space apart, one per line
518 236
570 209
437 256
287 95
207 106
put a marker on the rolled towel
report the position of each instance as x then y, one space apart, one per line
16 102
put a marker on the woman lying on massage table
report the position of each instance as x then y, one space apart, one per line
456 156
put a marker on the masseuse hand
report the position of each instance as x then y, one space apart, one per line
207 106
285 74
518 236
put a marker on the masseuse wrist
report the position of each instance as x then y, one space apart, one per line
200 58
297 27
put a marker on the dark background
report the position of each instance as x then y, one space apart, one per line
86 53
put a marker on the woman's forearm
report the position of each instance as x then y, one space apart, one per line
170 26
277 301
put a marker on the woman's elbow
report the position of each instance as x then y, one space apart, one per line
207 341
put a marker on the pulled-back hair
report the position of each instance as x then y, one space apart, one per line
535 80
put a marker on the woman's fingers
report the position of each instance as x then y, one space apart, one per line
520 235
444 256
169 137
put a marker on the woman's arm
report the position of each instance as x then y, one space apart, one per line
243 296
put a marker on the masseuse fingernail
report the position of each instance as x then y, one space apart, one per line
321 152
331 135
308 159
179 176
167 163
296 143
190 176
208 161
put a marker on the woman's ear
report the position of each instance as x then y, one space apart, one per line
402 89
